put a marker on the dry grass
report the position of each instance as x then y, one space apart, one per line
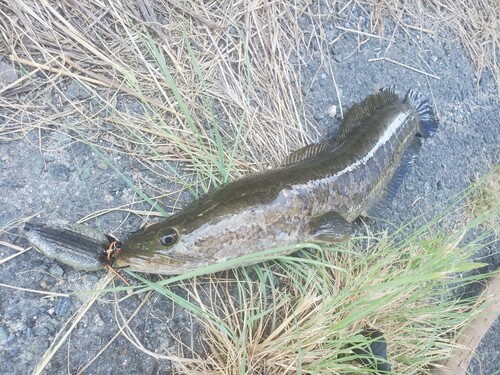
476 25
484 200
211 86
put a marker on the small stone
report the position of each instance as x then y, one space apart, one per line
330 35
332 111
108 126
60 172
7 73
63 306
40 331
136 107
77 91
19 326
37 163
56 271
98 321
319 116
4 334
12 352
92 279
102 166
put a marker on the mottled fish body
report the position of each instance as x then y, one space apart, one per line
313 197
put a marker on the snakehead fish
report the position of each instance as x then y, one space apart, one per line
314 196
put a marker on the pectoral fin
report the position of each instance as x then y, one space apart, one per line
330 227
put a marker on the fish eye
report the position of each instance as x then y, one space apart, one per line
169 237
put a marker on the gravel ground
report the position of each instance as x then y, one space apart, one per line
67 180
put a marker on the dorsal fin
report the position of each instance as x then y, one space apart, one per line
365 109
305 153
353 119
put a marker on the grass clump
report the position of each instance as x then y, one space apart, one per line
302 314
484 200
198 94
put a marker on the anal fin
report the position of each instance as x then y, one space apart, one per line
329 227
392 187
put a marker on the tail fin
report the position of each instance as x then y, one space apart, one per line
428 120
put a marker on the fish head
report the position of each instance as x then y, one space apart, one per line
222 225
157 248
152 238
181 243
